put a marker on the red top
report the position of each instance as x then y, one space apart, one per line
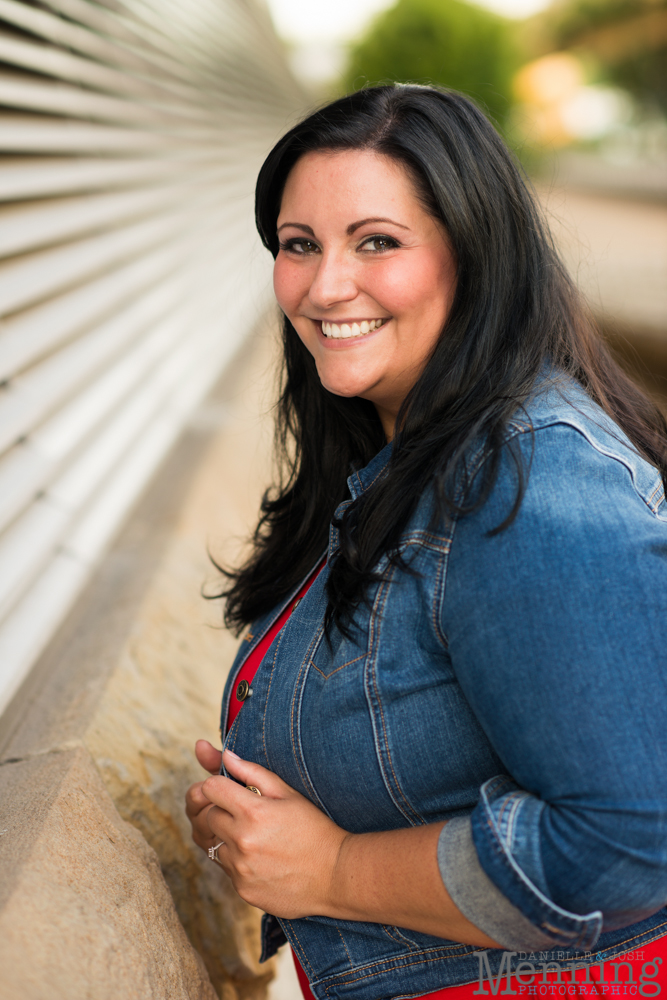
469 990
251 665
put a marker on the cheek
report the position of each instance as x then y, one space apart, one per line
290 284
426 287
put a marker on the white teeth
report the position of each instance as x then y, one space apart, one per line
344 331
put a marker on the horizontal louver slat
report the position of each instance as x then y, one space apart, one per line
33 277
47 60
39 134
29 335
62 99
29 227
76 37
129 138
26 178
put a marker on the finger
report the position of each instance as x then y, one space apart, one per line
225 794
248 773
220 826
202 834
195 800
209 758
222 858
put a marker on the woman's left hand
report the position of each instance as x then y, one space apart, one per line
279 850
285 856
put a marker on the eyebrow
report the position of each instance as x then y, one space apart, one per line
297 225
351 229
363 222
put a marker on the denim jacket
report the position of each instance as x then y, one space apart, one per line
516 686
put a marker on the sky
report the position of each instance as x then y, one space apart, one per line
311 21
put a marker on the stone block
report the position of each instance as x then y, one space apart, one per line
85 912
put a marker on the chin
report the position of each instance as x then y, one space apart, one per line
340 391
343 380
340 387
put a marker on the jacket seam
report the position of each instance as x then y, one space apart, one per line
443 586
399 937
601 951
391 965
362 488
658 492
388 931
349 957
437 590
296 753
441 632
579 925
349 663
562 421
303 957
375 618
231 736
507 815
608 453
268 692
297 748
426 540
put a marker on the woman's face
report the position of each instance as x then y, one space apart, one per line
364 274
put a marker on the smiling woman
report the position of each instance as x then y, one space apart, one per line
452 696
368 295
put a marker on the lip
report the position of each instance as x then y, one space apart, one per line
335 343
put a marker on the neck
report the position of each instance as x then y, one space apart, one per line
388 421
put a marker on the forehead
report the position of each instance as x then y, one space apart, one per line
347 182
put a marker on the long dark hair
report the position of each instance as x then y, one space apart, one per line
515 308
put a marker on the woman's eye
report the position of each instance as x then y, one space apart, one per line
300 247
376 244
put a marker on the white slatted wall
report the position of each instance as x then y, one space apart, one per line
130 136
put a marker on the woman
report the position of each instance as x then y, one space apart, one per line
459 733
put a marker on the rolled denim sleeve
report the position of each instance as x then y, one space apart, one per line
557 633
535 923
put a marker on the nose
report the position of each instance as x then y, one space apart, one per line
333 281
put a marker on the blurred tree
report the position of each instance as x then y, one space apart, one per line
626 38
449 42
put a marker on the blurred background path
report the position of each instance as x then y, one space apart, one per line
616 248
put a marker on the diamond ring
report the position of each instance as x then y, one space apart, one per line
213 851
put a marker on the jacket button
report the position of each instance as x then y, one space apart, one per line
243 691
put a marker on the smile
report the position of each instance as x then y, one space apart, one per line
344 331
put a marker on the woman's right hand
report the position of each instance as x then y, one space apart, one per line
197 806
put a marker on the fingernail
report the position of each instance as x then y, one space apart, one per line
232 754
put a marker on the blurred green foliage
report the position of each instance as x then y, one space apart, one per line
449 42
572 18
625 39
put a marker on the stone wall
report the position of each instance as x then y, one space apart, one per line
103 892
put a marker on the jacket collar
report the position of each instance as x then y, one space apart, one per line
360 481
